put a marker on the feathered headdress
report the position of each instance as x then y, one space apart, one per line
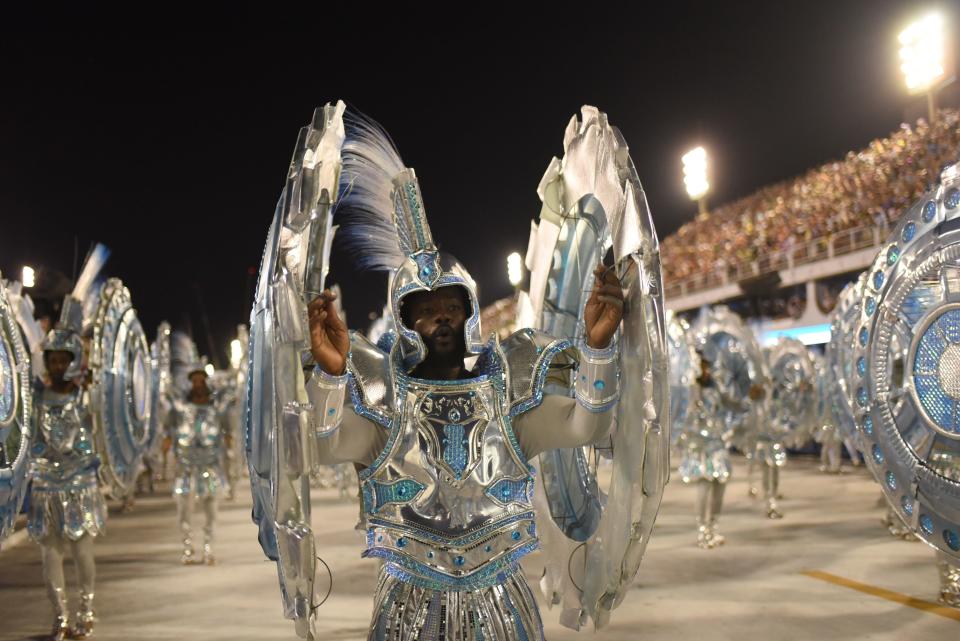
380 214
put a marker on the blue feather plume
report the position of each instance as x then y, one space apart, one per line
364 213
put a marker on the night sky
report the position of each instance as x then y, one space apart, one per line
173 151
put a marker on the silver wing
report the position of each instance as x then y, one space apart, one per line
16 398
592 203
684 370
736 365
292 271
793 394
121 391
905 378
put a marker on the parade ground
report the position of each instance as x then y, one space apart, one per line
828 570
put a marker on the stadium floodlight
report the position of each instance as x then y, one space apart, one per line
695 175
923 57
29 277
514 269
208 368
236 353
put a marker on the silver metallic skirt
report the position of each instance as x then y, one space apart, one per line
199 480
71 508
770 452
503 612
705 461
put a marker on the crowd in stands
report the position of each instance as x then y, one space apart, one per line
867 188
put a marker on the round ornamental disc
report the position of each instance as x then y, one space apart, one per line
907 366
793 393
684 369
16 405
840 362
122 389
735 358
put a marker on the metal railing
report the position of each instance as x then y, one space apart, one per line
822 248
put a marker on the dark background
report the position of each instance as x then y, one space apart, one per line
172 148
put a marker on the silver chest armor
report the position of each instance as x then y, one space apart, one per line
197 432
64 444
449 499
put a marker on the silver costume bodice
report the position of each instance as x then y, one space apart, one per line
448 501
197 431
707 420
64 443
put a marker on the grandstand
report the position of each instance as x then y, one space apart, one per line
786 245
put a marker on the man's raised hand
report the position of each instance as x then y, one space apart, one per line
604 308
329 338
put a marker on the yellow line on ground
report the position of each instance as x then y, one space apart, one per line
889 595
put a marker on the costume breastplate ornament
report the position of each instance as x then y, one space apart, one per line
449 500
198 427
61 428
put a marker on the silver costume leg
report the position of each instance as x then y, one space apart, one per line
210 512
52 554
185 519
716 505
949 580
703 502
752 490
85 562
771 485
833 455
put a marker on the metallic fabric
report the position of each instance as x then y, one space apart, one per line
705 440
506 611
65 499
793 404
197 432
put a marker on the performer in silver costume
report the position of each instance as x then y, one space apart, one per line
67 509
706 457
442 421
198 429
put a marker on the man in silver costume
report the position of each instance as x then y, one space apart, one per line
67 509
447 488
768 450
199 432
706 459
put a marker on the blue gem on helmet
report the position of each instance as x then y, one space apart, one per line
929 211
953 198
428 267
459 561
926 524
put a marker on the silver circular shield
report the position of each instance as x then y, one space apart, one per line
906 366
122 388
15 412
793 394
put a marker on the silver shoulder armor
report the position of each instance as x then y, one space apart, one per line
535 360
371 377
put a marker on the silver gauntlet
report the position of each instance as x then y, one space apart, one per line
598 378
326 394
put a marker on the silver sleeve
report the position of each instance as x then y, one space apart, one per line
597 384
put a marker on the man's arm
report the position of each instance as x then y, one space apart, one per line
338 434
562 422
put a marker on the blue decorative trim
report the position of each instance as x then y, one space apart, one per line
409 570
539 377
381 494
593 408
458 542
506 491
363 410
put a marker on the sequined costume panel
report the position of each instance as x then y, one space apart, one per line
65 495
705 440
503 612
198 441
